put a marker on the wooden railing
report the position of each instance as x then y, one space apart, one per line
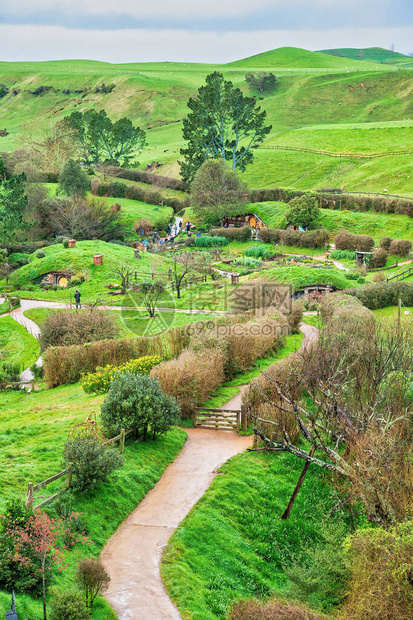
279 147
221 419
31 488
402 275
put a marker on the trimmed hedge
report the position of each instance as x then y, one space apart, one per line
232 234
347 241
384 294
299 238
150 196
141 176
210 242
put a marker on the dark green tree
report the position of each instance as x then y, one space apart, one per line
222 122
13 202
262 81
303 211
217 192
100 139
73 181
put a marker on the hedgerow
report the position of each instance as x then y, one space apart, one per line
99 382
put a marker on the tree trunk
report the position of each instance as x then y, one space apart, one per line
287 511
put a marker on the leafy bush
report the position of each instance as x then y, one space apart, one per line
18 259
379 258
66 327
210 242
67 605
347 241
99 381
92 461
138 402
385 243
191 378
259 251
303 211
272 610
384 294
343 254
93 578
40 254
400 247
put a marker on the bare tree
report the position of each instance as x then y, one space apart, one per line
125 271
183 263
152 290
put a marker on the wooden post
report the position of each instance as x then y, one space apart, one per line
287 511
69 476
400 311
30 499
122 440
244 423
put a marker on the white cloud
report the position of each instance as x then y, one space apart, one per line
30 43
171 9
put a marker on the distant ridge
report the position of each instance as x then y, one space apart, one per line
371 54
295 57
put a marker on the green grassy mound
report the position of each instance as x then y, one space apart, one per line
233 543
294 57
372 54
300 276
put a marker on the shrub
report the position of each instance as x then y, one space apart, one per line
92 461
93 579
232 234
379 258
343 254
259 251
18 259
67 605
347 241
375 296
385 243
138 402
381 574
209 242
99 381
303 211
66 327
364 243
272 610
191 378
40 254
400 247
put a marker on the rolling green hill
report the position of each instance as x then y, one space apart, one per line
294 57
372 54
320 102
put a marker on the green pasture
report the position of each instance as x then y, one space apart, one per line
17 346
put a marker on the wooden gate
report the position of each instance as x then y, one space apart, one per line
218 419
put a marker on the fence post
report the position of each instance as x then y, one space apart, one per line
243 418
69 476
30 498
122 440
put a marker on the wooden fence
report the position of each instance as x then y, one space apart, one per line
402 275
221 419
277 147
31 488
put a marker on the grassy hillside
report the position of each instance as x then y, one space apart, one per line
313 93
372 54
294 57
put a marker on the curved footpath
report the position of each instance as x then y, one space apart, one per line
133 554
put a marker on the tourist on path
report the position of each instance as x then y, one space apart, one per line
77 299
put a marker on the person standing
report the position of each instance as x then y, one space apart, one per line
188 226
169 229
77 299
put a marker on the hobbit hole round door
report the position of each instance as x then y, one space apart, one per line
63 282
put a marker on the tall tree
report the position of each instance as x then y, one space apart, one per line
13 202
217 192
222 123
99 138
73 181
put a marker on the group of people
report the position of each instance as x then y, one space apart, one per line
255 233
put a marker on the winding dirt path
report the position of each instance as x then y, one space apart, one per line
133 554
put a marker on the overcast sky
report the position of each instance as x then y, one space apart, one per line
196 30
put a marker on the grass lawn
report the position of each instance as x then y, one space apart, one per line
391 313
230 389
233 543
300 276
31 447
17 346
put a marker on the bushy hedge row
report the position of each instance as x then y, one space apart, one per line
99 382
326 200
310 239
148 177
210 242
150 196
67 364
382 295
348 241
